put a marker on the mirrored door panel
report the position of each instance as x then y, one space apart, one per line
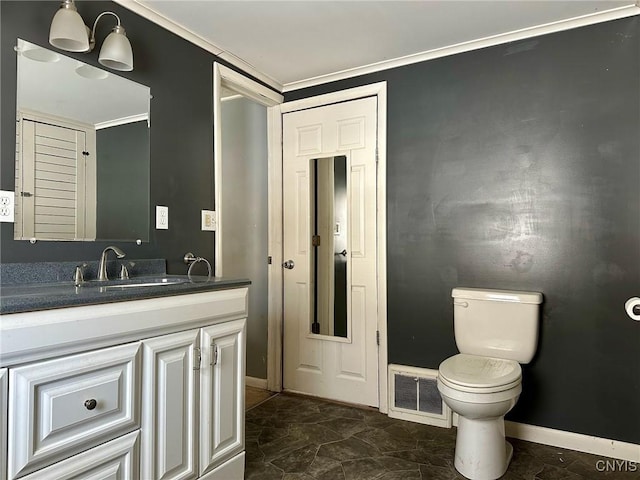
329 227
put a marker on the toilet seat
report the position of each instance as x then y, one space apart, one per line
476 374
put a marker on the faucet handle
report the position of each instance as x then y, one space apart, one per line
124 270
78 276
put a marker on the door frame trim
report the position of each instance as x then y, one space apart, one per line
252 90
275 320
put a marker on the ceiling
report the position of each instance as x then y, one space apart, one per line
295 42
76 91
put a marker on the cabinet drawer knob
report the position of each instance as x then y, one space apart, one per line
90 404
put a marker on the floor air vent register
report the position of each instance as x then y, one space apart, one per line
414 396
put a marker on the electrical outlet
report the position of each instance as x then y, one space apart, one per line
208 220
7 202
162 218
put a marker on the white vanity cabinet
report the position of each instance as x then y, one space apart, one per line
144 389
221 394
193 399
4 388
169 416
61 407
117 459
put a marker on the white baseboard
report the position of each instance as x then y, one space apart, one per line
256 382
569 440
574 441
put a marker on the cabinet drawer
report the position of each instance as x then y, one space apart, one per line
117 459
60 407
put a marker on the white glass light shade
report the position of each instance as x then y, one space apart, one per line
116 51
68 31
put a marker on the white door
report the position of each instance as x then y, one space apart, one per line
342 367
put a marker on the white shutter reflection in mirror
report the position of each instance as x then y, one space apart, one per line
56 186
56 169
351 133
309 140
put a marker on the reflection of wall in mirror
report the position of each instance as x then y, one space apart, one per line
123 181
340 245
330 207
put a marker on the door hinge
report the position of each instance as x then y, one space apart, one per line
315 240
377 157
378 337
214 354
269 260
197 357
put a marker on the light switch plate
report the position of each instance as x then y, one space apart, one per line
209 220
162 218
7 203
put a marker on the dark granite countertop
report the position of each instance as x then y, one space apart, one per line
27 297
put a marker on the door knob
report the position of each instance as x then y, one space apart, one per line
343 253
289 264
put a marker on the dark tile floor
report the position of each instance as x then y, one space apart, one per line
299 438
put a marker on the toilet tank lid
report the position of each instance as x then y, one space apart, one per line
513 296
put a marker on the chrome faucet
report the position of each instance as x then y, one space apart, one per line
102 268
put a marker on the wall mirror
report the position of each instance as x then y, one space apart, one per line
82 151
329 263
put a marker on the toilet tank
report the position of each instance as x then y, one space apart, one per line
496 323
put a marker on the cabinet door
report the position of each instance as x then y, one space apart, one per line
168 446
60 407
221 393
3 423
114 460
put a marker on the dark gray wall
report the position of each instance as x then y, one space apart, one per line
123 182
517 167
180 76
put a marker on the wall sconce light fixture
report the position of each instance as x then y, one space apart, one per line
68 32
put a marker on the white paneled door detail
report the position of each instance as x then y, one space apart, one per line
342 368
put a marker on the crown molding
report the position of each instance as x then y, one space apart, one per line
122 121
584 20
153 16
561 25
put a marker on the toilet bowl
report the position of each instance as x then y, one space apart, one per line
481 390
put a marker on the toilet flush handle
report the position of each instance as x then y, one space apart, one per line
461 304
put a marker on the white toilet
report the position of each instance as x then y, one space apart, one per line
495 331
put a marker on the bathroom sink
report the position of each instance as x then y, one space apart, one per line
140 282
68 288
